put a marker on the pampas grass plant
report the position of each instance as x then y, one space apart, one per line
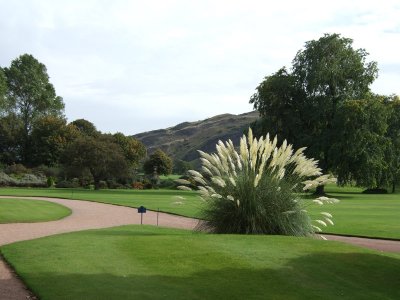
255 190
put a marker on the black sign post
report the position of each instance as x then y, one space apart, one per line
141 210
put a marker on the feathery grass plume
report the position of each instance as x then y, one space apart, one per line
254 189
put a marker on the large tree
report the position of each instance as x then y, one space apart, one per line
103 159
50 135
133 150
29 96
158 162
301 105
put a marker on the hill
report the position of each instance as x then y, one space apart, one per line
183 140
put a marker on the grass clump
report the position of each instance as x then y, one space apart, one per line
256 190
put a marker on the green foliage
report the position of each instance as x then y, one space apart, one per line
30 96
181 166
103 159
301 105
393 133
85 127
160 162
134 151
3 89
360 145
50 136
255 191
10 138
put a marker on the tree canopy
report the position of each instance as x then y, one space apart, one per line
29 96
103 159
159 160
301 105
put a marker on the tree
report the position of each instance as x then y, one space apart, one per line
10 135
104 160
85 127
134 151
30 95
50 135
181 166
3 89
393 133
301 105
360 147
159 160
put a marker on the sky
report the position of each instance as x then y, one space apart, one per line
134 66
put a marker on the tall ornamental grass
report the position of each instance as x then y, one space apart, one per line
256 190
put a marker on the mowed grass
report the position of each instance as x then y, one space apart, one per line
144 262
28 211
164 200
356 214
362 214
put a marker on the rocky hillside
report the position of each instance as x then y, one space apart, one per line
183 140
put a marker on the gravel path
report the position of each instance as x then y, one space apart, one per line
92 215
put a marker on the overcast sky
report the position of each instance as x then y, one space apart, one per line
134 66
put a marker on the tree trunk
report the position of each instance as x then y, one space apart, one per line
320 191
393 186
96 184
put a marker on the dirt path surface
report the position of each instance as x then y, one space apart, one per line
92 215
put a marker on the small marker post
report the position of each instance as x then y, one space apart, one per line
141 210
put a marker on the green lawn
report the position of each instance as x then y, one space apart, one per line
144 262
363 214
28 211
165 200
356 214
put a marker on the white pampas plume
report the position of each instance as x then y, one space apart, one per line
183 188
321 222
182 181
195 173
326 214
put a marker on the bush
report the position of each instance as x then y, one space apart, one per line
256 190
74 183
6 180
103 184
137 186
31 180
167 183
17 169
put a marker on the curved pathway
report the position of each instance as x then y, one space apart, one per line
93 215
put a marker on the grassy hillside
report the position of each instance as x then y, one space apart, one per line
183 140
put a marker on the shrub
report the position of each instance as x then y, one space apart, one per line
6 180
17 169
31 180
102 184
256 190
137 186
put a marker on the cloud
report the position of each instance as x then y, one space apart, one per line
132 66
